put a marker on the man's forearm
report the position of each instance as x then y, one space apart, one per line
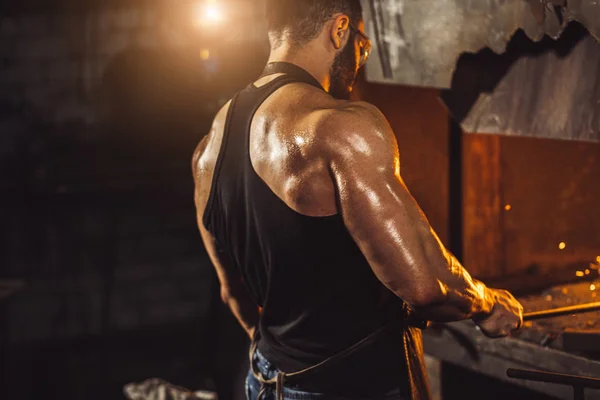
464 298
243 308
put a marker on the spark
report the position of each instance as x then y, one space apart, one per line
592 287
508 207
562 245
579 273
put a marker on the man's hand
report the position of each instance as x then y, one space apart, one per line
506 316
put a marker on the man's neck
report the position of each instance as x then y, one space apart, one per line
303 59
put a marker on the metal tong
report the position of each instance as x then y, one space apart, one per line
559 312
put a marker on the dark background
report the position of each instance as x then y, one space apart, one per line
101 106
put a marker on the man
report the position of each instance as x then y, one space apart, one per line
321 251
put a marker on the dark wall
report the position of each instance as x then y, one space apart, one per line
100 112
97 188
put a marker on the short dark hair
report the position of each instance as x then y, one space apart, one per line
302 20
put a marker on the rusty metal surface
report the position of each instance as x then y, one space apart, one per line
418 42
518 67
461 344
538 345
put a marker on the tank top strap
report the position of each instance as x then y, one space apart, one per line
293 71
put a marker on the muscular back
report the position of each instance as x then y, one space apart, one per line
324 157
286 148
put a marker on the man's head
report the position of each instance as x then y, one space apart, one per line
332 29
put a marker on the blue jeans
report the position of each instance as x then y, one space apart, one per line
253 386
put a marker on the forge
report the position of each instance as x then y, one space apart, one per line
520 82
519 67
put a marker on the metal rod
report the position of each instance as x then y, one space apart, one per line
549 377
558 312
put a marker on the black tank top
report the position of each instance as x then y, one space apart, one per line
317 291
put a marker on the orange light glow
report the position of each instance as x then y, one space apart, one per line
562 245
508 207
579 273
598 259
204 54
587 271
209 13
592 287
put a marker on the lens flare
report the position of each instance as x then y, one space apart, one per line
209 14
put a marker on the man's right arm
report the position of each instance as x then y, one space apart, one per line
393 232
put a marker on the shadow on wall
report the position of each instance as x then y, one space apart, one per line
156 104
100 223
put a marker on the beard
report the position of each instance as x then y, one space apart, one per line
343 73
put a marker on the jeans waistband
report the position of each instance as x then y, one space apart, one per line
264 365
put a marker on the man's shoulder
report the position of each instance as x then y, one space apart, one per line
221 116
354 118
354 127
207 144
349 109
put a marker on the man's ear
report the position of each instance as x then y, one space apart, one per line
340 31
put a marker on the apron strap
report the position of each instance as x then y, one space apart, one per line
282 377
